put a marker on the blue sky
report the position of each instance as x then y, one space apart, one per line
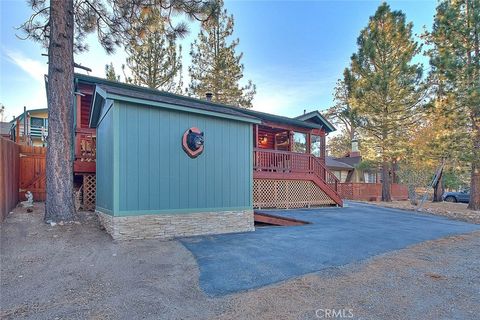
294 51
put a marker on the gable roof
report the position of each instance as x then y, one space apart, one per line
29 111
117 90
317 117
105 89
335 164
281 119
352 161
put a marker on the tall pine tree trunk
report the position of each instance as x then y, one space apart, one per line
438 189
60 204
386 196
474 203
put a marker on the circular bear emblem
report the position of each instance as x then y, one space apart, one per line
192 142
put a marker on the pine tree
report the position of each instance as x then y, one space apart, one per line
62 27
342 113
110 73
216 68
339 145
153 57
388 91
455 61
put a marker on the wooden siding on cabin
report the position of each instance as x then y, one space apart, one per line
155 174
269 137
104 163
85 104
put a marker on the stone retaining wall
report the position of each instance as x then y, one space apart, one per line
169 226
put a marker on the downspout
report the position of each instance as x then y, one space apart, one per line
25 123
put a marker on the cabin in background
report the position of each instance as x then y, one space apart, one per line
30 128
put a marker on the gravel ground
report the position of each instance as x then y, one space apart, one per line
457 211
76 271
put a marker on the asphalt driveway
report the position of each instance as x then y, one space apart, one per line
336 236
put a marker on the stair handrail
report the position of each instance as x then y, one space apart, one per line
275 157
329 178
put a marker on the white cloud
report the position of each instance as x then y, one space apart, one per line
34 68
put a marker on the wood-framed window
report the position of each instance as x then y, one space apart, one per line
299 142
316 145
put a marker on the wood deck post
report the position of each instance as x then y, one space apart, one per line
309 142
17 131
323 145
290 144
79 113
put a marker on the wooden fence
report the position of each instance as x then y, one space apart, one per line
371 191
9 176
33 176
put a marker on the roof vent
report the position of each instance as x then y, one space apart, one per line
209 96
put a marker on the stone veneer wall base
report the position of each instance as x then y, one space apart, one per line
169 226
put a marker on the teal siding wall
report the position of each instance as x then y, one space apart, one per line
104 162
155 175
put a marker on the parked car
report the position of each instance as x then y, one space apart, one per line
462 196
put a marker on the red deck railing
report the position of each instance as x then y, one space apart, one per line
293 162
85 150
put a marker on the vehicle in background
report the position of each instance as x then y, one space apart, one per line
462 196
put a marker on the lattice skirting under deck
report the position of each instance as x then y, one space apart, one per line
269 193
89 191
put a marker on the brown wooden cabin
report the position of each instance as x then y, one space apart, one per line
288 153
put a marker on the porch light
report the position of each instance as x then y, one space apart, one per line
263 140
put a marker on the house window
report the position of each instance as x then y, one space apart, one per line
337 174
370 177
282 141
299 142
36 122
315 145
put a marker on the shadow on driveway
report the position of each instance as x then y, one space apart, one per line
337 236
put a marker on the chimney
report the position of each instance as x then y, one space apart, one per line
354 152
209 96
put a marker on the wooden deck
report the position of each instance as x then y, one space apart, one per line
285 165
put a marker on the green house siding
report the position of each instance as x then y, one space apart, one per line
155 175
104 163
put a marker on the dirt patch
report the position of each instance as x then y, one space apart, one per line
457 211
77 271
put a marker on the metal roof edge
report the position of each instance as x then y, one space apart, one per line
317 114
246 112
180 108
